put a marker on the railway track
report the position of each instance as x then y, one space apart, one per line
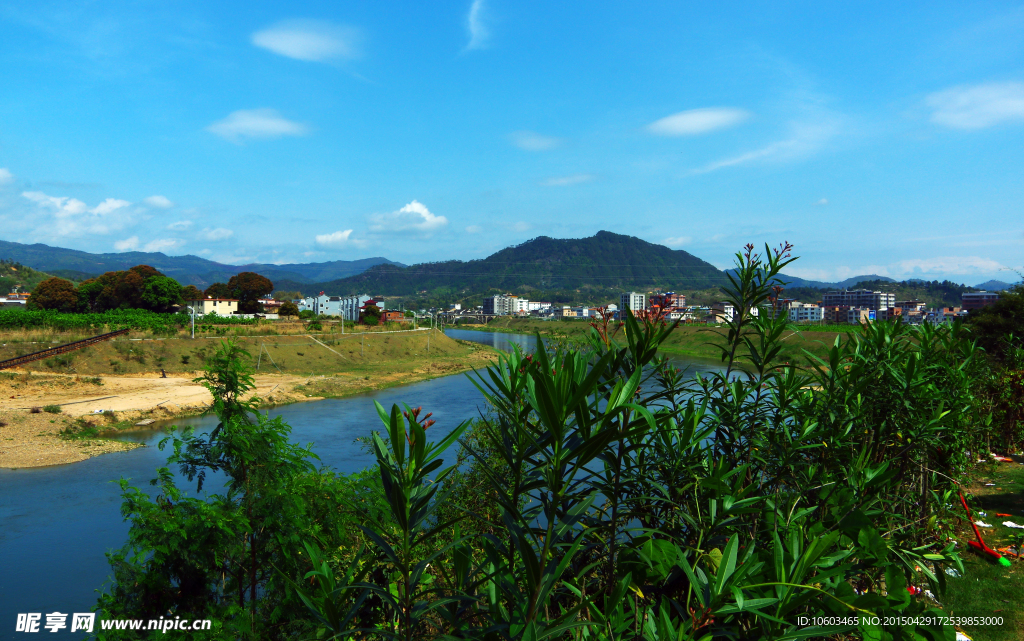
60 349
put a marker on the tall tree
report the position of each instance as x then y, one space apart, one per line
218 290
54 293
160 294
248 288
191 292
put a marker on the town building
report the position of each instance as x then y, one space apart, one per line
218 306
393 316
806 313
977 300
632 301
15 299
506 305
667 301
347 307
859 298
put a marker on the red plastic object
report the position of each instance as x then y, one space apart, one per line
980 543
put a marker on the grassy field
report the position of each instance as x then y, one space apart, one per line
688 340
368 354
989 589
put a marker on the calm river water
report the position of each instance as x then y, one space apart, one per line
57 522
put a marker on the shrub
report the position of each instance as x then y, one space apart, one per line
185 358
52 409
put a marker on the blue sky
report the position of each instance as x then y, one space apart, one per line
877 137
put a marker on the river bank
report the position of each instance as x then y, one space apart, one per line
82 411
686 340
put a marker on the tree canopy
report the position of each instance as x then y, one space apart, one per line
994 324
56 294
141 287
247 287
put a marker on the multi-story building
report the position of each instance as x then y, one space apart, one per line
667 301
806 313
537 305
910 305
632 301
218 306
859 298
977 300
506 305
347 307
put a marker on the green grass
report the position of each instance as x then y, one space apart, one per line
988 589
686 340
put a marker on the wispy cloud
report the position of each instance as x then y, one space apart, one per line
476 25
414 217
216 234
474 229
180 225
978 106
822 202
158 202
533 141
338 239
163 244
566 181
698 121
128 244
256 124
805 138
310 40
678 241
6 177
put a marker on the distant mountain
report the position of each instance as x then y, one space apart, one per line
795 281
993 286
603 261
188 270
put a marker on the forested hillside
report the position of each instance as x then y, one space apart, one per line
582 267
15 275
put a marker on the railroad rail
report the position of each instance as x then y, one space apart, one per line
60 349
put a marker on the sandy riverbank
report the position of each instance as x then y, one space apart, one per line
32 437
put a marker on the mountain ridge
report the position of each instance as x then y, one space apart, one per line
187 269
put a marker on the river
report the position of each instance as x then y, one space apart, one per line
56 523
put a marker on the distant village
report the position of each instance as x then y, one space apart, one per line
838 307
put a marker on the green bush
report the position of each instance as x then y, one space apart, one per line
52 409
603 495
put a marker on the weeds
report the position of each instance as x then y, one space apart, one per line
52 409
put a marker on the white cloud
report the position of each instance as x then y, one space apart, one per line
336 239
678 241
109 206
180 225
479 33
521 226
6 176
533 141
565 181
162 244
805 138
946 265
310 40
128 244
698 121
822 202
256 123
159 202
216 234
72 217
979 106
474 229
413 217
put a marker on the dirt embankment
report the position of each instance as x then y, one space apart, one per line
40 410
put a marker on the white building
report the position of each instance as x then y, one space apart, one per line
537 305
506 305
632 301
218 306
347 307
806 313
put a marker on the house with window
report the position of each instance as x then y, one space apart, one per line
210 305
